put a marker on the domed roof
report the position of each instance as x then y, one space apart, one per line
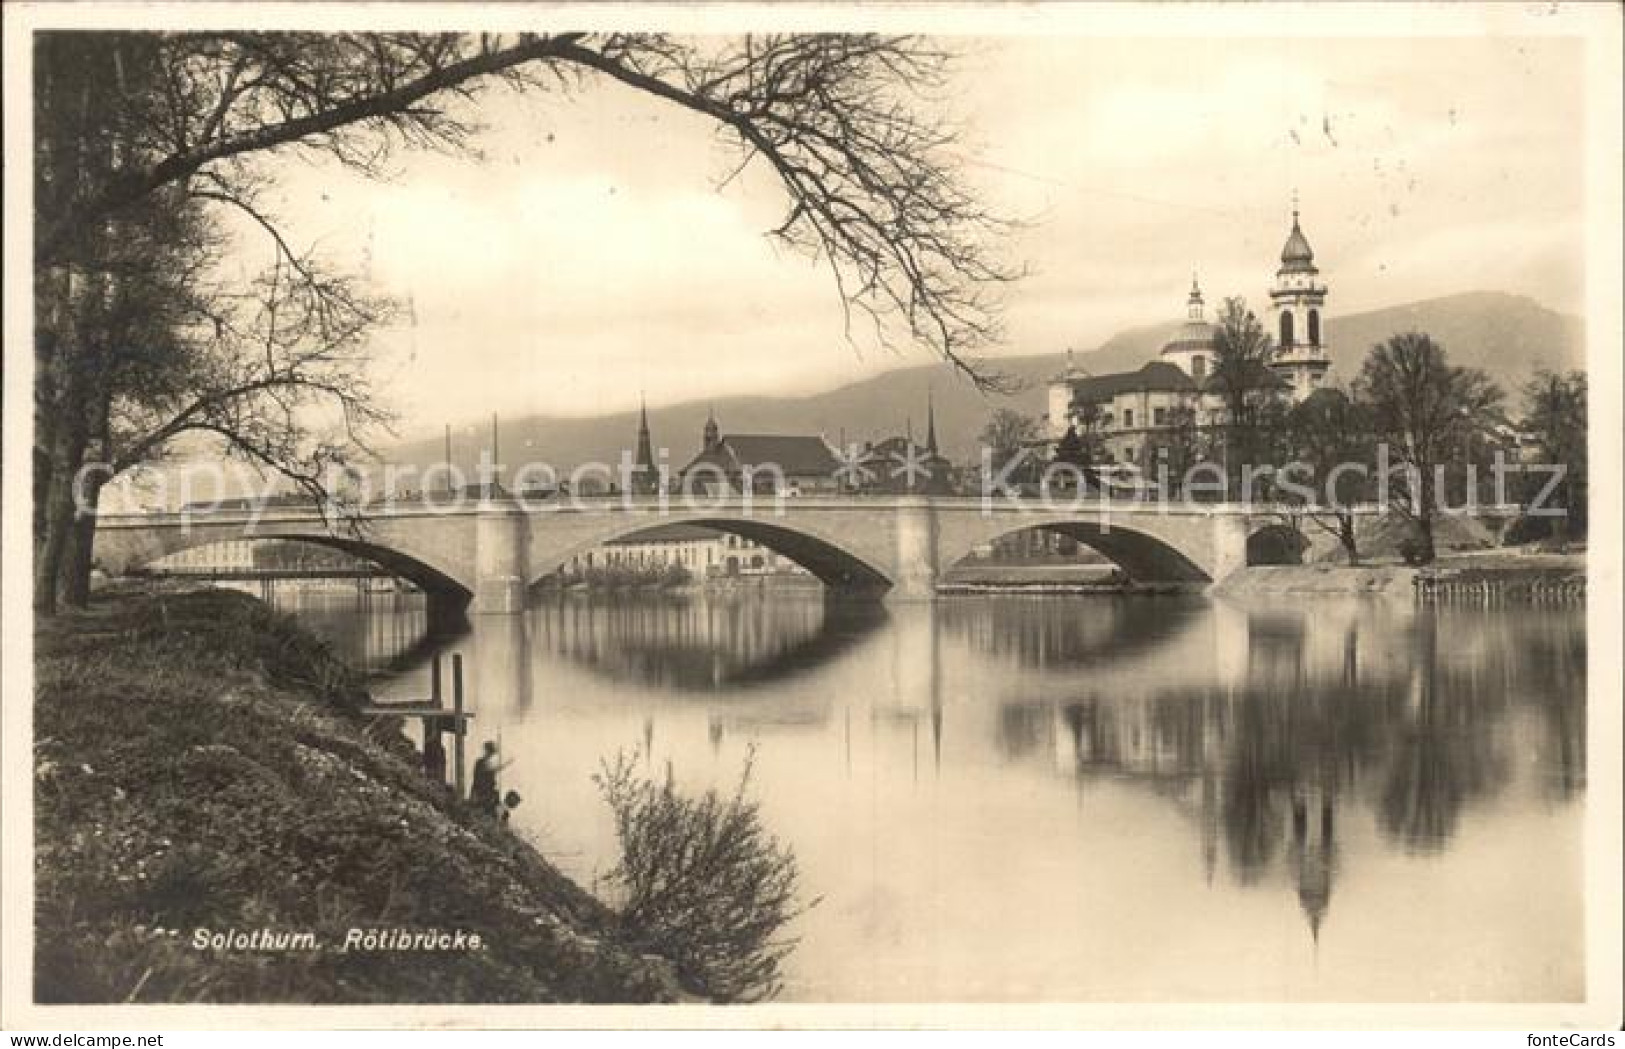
1196 333
1296 255
1192 335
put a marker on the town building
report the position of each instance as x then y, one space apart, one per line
226 556
704 553
899 465
782 464
1127 416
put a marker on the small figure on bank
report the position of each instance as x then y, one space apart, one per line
434 754
482 793
510 801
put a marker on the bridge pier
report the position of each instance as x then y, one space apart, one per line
1229 545
916 531
500 541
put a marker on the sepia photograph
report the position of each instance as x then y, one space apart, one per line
810 516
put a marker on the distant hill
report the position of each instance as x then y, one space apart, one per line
1508 336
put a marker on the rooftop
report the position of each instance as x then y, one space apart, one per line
792 453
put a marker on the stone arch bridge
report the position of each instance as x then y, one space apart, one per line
486 554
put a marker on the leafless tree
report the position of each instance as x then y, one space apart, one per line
1242 352
1330 435
125 121
870 180
1555 416
1425 410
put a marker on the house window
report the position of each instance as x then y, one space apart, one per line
1198 367
1160 416
1128 418
1286 328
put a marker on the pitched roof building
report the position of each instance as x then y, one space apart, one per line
763 462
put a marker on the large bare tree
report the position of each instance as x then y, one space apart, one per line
1426 411
130 122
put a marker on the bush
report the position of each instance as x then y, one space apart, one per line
703 882
1526 529
1413 551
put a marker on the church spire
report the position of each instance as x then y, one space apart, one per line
930 423
1193 307
644 474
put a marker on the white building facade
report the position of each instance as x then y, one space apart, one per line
1130 413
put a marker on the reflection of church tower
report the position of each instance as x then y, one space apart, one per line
1312 847
1298 299
645 477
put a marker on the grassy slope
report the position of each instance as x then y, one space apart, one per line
196 766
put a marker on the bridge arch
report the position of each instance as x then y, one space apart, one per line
122 553
1276 544
834 563
1143 556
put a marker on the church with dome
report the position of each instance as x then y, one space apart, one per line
1131 413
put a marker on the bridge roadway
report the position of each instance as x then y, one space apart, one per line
485 554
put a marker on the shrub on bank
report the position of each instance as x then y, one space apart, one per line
702 881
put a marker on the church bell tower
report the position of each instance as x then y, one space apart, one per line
1298 300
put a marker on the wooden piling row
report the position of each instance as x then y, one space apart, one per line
1495 591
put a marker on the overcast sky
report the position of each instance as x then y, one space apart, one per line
590 255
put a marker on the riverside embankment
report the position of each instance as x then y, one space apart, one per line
1490 576
215 822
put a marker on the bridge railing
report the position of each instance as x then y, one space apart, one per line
756 505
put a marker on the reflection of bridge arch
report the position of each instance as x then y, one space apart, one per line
833 562
703 646
1107 629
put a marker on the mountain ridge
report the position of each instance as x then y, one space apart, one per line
1509 336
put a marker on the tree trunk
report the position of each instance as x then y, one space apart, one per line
73 582
1426 552
67 454
73 577
1345 535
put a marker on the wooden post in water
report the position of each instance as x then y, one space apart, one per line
460 724
432 726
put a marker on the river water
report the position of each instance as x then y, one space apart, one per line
1094 798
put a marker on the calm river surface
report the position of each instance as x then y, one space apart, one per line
1077 799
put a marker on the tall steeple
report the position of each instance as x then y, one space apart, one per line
1193 306
1298 299
645 477
930 423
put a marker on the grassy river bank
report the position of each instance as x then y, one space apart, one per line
214 822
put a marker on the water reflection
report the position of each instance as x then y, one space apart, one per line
1062 631
384 632
1091 798
708 645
